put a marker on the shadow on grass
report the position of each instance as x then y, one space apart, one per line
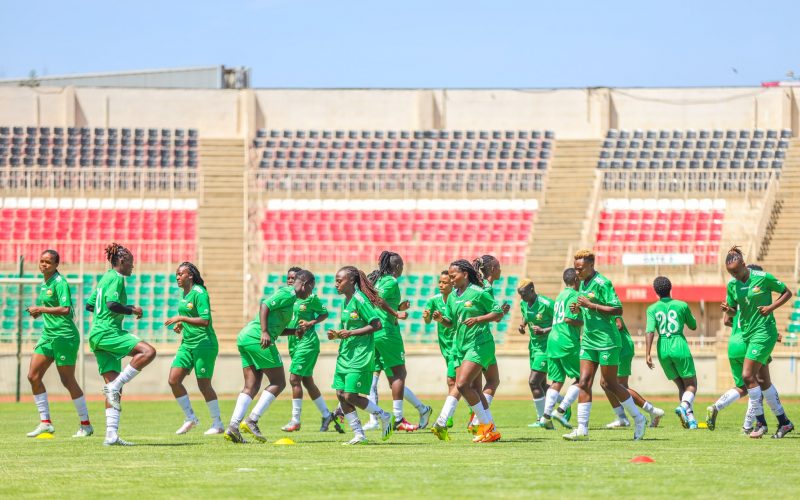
166 445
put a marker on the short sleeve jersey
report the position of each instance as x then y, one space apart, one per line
749 296
564 338
55 293
388 290
357 354
668 317
280 304
306 310
445 334
737 348
196 304
540 314
599 330
110 288
474 301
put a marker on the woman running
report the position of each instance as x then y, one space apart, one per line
537 315
198 350
304 351
668 317
444 334
110 343
260 356
600 345
750 294
389 349
356 361
468 311
59 342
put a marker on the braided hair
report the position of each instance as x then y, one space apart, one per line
54 255
387 264
465 267
752 267
734 255
481 263
194 273
663 286
115 252
362 283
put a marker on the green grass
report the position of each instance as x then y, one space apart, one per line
527 462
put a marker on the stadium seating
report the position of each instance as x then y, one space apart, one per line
660 227
444 160
427 231
415 288
718 160
156 230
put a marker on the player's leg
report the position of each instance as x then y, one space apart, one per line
773 400
588 368
608 369
112 414
687 400
354 391
296 382
469 372
252 384
755 407
210 397
276 379
67 374
619 411
176 376
655 413
537 382
373 396
141 353
38 367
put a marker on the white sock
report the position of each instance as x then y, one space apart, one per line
550 401
584 409
261 406
376 410
112 423
570 397
373 389
355 423
539 404
397 409
80 407
749 416
480 413
620 411
322 407
448 410
413 399
727 399
773 401
297 409
648 407
756 408
42 405
213 409
489 399
631 408
488 413
242 402
126 376
186 406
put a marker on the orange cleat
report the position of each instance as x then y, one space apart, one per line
481 430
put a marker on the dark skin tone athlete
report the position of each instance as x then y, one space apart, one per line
537 379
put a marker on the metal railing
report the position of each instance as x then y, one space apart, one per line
668 183
53 181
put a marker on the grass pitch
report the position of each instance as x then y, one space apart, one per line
527 462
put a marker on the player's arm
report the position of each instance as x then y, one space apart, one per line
650 328
728 306
727 321
776 286
427 312
373 326
495 312
572 318
689 319
36 311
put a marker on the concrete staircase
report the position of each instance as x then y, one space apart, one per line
222 229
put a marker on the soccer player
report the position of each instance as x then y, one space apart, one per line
355 363
537 315
59 342
110 343
444 334
389 348
563 354
260 356
468 311
750 292
600 345
304 351
198 350
623 374
668 317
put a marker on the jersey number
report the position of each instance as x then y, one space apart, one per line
667 323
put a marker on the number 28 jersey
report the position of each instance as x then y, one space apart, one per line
668 317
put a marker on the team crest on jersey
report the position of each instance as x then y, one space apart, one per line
756 289
590 295
354 315
539 317
190 306
303 307
468 303
49 293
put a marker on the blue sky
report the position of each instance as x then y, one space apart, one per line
456 44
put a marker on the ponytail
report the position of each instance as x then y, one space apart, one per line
472 274
734 255
194 272
115 252
362 283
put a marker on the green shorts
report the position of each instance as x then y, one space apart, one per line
736 370
109 350
760 344
261 359
481 353
538 362
303 362
389 352
63 350
451 366
199 359
354 382
675 358
559 369
605 357
625 357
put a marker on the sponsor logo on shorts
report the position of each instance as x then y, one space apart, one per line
63 358
755 351
202 370
300 366
358 384
604 356
543 364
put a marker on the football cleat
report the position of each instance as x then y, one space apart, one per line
251 427
639 426
41 429
424 417
356 441
187 426
291 427
783 430
387 426
562 418
655 417
547 424
113 396
490 436
758 431
576 436
117 441
84 431
440 431
233 435
372 425
540 424
213 431
680 411
450 423
405 425
481 431
692 425
619 423
568 413
711 417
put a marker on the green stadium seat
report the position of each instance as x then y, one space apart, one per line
172 302
790 340
145 278
274 279
513 281
412 279
429 280
796 316
794 328
144 302
161 278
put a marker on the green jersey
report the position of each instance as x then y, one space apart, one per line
357 354
306 310
564 339
540 314
196 304
55 293
737 349
388 290
488 287
599 330
668 317
749 296
474 301
110 288
281 305
445 334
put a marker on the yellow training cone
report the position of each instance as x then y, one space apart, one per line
702 425
284 441
45 435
